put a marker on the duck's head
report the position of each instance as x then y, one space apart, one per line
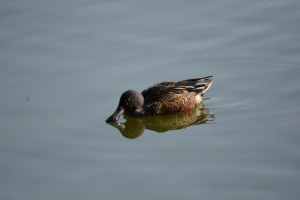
130 101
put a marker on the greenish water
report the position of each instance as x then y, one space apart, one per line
134 127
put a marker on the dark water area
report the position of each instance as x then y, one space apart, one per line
65 64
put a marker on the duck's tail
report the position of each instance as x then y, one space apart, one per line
197 85
203 84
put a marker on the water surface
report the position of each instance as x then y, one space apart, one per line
64 66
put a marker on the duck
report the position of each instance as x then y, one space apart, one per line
163 98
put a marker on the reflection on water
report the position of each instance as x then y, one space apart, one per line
135 126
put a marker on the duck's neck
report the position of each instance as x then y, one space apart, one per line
137 113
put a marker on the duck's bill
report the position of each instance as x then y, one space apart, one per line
116 115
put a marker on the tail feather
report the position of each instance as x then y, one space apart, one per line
197 85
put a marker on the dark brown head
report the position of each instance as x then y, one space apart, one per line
130 101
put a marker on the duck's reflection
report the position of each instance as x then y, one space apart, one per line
135 126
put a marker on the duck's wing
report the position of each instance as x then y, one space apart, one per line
157 91
160 90
197 85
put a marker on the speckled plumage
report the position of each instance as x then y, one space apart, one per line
163 98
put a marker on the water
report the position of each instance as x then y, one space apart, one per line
65 64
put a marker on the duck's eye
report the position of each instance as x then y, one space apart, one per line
128 99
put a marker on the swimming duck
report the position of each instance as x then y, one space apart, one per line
163 98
